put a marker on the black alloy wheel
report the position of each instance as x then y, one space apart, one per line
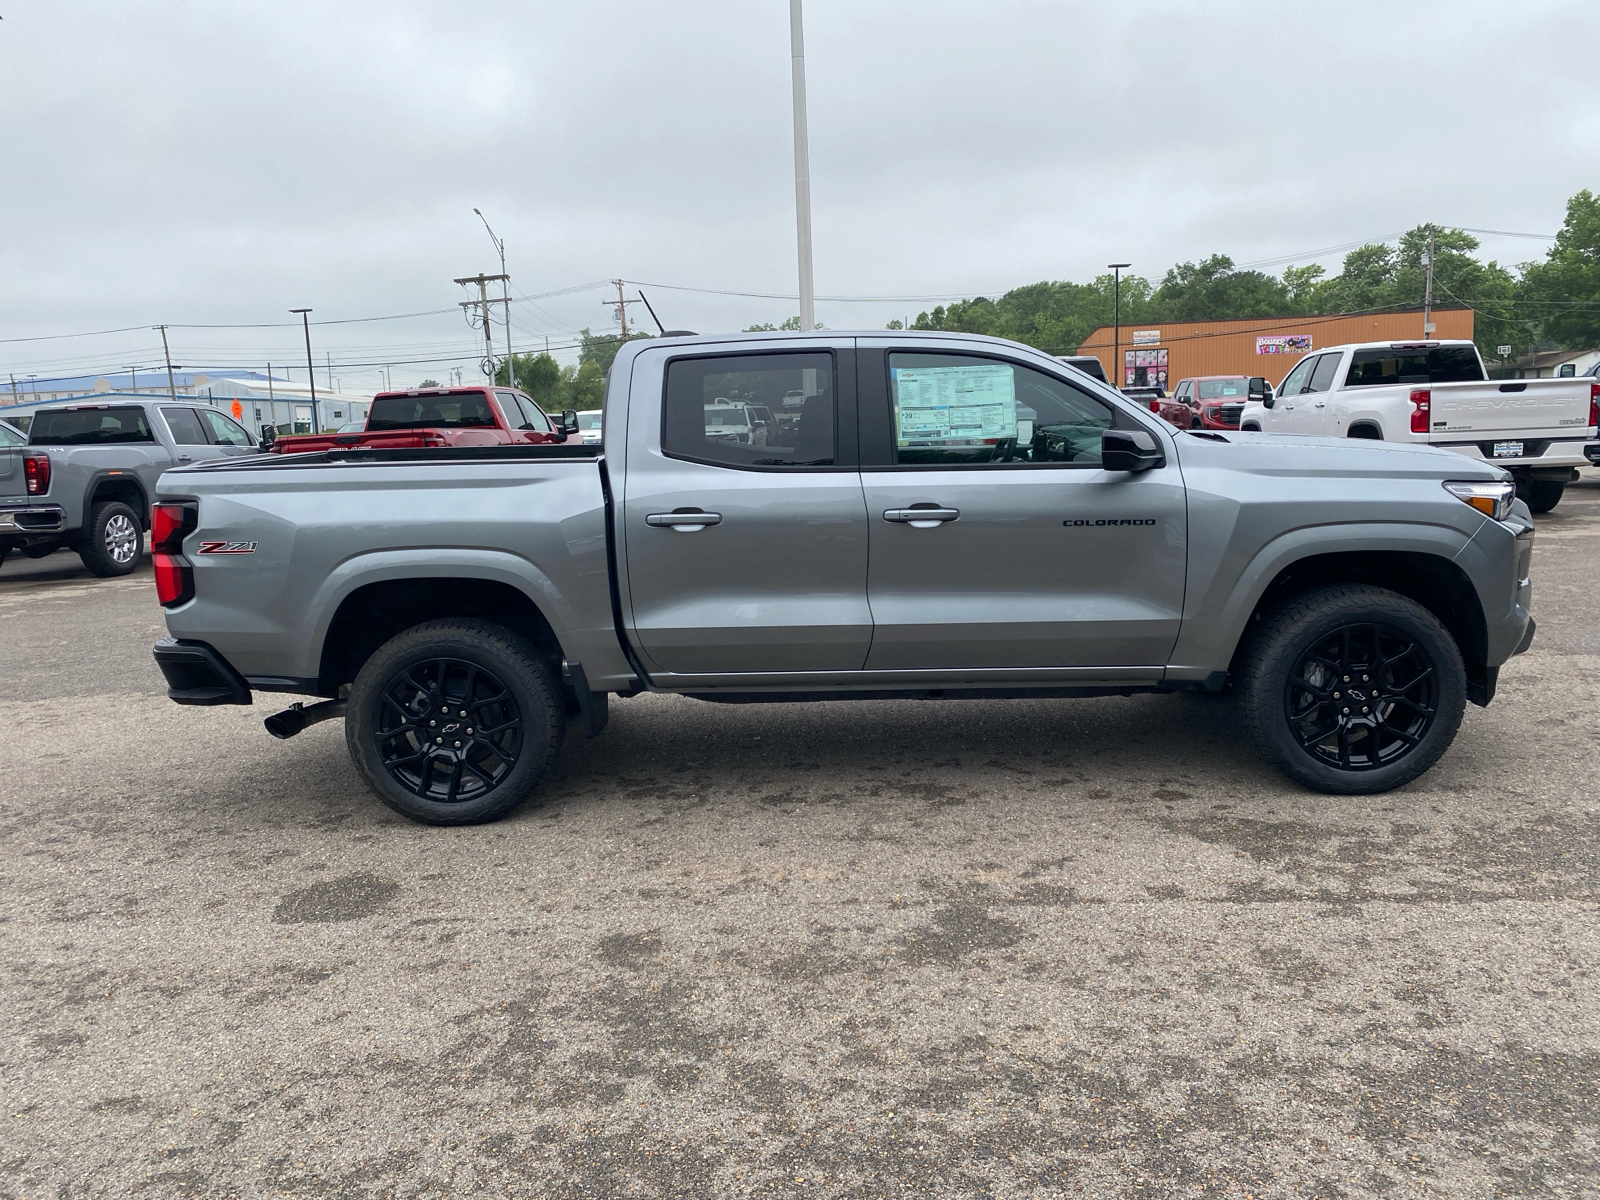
454 722
1362 697
1351 688
449 730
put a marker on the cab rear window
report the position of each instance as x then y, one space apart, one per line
90 427
1440 364
462 410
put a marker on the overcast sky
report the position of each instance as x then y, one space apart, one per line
213 163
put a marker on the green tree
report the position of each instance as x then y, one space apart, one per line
791 324
601 348
1214 291
1301 284
1561 295
428 383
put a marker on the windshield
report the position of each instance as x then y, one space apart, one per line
1414 364
90 427
588 420
457 410
1221 389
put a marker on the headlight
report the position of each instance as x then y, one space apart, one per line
1491 499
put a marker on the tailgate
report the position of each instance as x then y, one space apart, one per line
1523 408
12 486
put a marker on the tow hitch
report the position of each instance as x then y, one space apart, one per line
297 716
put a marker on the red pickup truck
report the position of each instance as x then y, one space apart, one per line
460 416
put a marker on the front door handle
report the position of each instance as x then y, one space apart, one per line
921 518
684 520
184 458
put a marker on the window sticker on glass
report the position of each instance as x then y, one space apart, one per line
975 403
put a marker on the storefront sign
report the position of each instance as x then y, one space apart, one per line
1144 368
1289 343
1146 337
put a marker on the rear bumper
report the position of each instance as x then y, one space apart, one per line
1592 453
197 674
32 518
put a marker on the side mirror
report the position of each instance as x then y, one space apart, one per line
569 423
269 434
1130 450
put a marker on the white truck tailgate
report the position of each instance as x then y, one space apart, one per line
1519 408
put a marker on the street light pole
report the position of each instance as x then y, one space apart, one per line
505 290
802 167
1116 324
311 368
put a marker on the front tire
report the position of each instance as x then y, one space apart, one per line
1352 689
454 722
112 540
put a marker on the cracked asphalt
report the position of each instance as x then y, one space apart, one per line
996 949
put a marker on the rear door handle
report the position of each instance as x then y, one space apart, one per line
921 518
684 521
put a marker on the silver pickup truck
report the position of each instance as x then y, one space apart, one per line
948 516
88 470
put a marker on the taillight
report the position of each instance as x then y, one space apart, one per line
1594 404
169 525
1155 406
1421 410
36 470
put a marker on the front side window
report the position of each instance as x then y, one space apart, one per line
1415 364
709 404
225 431
1322 374
523 413
956 409
10 437
91 427
1295 379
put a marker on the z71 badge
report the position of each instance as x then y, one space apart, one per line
227 548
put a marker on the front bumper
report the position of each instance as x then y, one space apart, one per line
197 674
27 519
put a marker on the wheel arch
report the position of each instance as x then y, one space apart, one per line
121 486
375 610
1365 428
1432 580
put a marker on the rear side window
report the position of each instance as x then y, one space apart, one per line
185 426
955 409
523 413
707 416
1438 364
9 437
457 410
90 427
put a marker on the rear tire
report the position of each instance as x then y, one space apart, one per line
112 540
454 722
1351 689
1543 494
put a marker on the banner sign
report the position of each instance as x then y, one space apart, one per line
1146 337
1289 343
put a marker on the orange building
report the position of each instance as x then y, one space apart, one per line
1161 354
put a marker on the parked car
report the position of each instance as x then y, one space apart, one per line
1216 401
1438 394
85 477
456 610
424 417
1087 363
590 426
728 421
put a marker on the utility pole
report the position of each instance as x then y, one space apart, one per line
311 373
1118 375
172 388
328 355
134 371
620 305
505 291
1427 295
483 282
802 166
13 387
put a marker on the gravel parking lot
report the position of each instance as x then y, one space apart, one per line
1008 948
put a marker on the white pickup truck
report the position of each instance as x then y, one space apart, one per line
1438 394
